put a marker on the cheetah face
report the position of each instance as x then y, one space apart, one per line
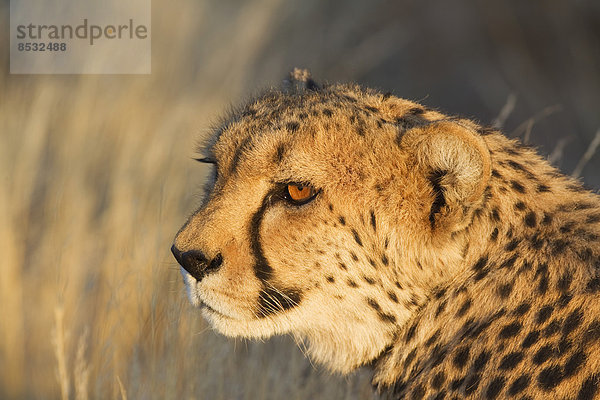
313 225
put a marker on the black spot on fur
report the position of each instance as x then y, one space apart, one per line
550 377
543 314
386 317
327 112
418 392
351 283
542 287
440 309
438 380
410 357
512 244
292 126
517 186
494 235
357 238
480 264
522 309
531 339
593 285
505 290
592 219
592 332
495 214
369 280
519 385
461 357
536 241
543 354
564 282
481 360
530 219
541 188
552 328
589 388
330 279
410 333
511 360
572 322
373 304
385 260
510 262
547 219
456 384
559 246
373 221
574 363
495 387
464 308
433 338
472 383
438 354
510 330
342 220
519 167
519 205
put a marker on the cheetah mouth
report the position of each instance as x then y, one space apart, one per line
212 313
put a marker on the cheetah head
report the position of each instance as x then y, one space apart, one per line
329 216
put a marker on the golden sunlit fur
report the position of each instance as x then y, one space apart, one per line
428 251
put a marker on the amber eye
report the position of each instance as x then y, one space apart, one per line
300 193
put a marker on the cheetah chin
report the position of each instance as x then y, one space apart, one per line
453 261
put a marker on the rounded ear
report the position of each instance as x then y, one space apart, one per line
456 161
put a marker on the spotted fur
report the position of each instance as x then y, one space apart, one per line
456 262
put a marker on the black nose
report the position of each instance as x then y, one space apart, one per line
196 263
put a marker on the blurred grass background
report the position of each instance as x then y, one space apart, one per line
97 173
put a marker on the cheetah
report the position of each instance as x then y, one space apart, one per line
453 261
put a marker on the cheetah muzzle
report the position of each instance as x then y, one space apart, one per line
455 261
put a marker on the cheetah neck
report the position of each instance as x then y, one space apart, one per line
524 236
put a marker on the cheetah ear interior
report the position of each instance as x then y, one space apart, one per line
457 163
300 80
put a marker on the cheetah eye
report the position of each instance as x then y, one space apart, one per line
299 193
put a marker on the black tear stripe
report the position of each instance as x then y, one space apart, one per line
271 299
262 270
